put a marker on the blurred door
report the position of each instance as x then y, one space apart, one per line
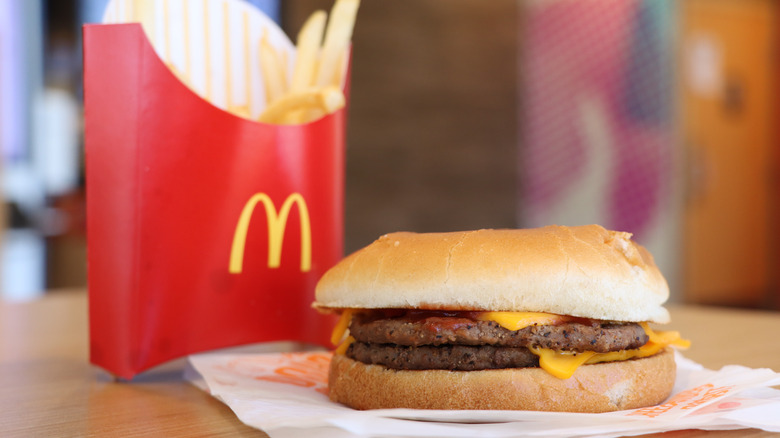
728 80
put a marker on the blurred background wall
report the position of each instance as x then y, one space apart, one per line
648 116
432 118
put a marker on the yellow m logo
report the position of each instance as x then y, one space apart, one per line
276 225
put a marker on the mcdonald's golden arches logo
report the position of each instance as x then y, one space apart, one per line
277 221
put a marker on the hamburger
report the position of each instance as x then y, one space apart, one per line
549 319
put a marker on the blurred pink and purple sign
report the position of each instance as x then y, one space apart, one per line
597 142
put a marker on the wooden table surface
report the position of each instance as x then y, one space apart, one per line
49 389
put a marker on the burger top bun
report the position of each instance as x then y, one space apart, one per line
584 271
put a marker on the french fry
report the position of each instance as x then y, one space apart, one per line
284 69
327 100
299 116
315 84
273 74
337 37
340 71
309 41
304 115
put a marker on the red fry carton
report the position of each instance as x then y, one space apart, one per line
205 229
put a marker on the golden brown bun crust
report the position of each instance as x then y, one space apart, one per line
585 271
604 387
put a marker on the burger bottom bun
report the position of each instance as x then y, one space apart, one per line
603 387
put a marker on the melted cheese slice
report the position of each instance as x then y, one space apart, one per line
337 336
520 320
665 337
561 364
342 349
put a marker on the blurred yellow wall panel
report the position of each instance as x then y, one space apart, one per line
728 93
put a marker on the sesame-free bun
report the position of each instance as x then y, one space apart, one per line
602 387
584 271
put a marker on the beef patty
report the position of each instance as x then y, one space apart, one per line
443 357
459 342
588 335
